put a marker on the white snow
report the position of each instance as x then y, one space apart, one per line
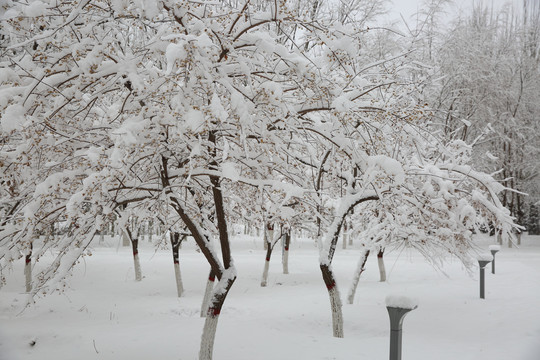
495 247
401 301
12 118
35 9
484 257
106 315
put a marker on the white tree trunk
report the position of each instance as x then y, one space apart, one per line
356 278
286 261
337 314
137 264
208 337
382 269
28 274
207 295
264 280
179 284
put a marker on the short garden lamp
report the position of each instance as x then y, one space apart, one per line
483 260
398 307
494 249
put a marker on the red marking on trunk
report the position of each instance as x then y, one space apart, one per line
176 262
214 312
28 260
330 286
379 255
286 248
211 278
135 253
268 258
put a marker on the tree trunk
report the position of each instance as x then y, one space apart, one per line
208 293
136 262
345 235
268 235
335 301
350 235
359 270
28 270
380 262
286 245
210 324
175 243
264 280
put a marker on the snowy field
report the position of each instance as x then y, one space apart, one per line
105 314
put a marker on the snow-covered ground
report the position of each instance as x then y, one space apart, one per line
105 314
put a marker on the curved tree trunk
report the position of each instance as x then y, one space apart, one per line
176 240
208 293
335 301
380 262
286 244
359 270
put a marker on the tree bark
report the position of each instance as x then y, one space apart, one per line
136 262
28 270
264 279
176 240
380 262
356 279
345 235
335 301
286 245
212 316
350 234
208 293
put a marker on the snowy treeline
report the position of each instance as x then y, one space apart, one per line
287 114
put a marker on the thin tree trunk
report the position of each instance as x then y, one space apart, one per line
356 279
287 243
28 269
264 280
345 235
350 237
380 262
175 243
208 293
335 301
136 262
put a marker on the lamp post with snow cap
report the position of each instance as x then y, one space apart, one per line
398 307
494 249
483 260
